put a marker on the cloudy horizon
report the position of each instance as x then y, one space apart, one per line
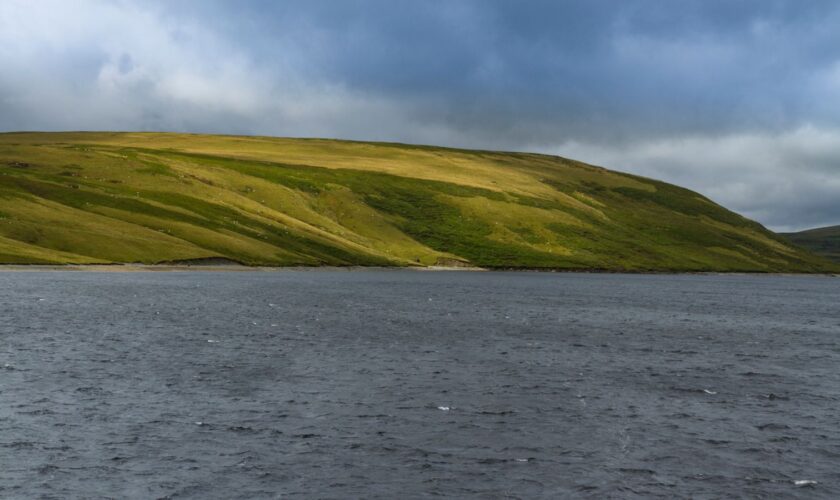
737 100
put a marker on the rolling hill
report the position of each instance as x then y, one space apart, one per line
823 241
161 197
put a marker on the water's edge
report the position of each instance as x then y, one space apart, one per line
135 267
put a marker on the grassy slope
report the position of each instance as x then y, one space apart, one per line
149 197
824 241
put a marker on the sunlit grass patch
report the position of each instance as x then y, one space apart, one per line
137 197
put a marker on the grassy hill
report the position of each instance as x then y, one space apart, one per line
824 241
157 197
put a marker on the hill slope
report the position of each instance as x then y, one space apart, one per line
824 241
154 197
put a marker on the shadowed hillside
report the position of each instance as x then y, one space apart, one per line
155 197
824 241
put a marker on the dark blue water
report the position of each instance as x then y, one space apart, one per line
386 384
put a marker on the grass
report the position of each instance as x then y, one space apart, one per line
824 241
154 197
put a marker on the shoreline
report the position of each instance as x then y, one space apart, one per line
232 267
134 267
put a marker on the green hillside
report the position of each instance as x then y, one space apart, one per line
155 197
824 241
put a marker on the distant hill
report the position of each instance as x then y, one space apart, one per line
158 197
824 241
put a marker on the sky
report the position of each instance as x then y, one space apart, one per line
736 99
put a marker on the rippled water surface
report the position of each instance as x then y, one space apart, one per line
337 384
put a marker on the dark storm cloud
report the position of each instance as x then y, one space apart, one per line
727 97
587 69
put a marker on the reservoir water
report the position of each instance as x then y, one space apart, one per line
406 384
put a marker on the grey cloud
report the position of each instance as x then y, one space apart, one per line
604 80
